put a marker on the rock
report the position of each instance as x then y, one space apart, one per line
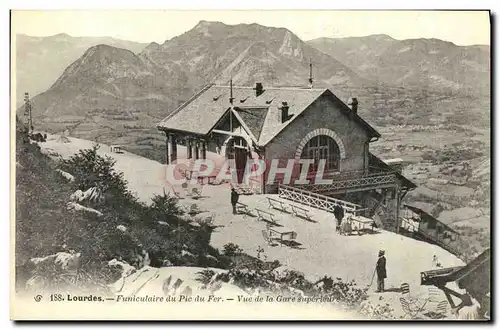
126 268
167 263
65 264
77 207
163 223
66 175
186 253
91 194
76 196
121 228
146 261
62 260
211 257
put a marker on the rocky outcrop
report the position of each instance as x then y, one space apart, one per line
91 194
77 207
46 270
66 175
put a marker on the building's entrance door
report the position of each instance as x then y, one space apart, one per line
237 150
240 160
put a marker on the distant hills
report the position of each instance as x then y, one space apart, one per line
422 63
41 60
115 84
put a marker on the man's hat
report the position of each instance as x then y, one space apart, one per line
381 252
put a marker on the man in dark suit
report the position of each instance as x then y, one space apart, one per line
234 199
381 271
338 212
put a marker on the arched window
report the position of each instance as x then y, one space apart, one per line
322 147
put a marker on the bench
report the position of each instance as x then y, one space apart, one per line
265 216
301 212
116 149
277 204
283 232
242 208
362 223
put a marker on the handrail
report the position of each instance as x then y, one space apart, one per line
318 195
337 176
318 200
354 183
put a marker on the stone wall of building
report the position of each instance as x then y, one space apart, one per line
324 116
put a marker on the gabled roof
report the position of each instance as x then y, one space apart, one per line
254 118
261 114
380 164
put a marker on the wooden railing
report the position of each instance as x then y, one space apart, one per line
316 200
355 183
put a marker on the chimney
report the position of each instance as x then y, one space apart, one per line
354 105
258 89
310 74
231 98
284 112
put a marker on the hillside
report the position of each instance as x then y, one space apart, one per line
425 63
41 60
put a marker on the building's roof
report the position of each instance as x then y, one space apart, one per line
254 118
261 114
380 164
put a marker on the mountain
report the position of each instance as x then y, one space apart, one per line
215 52
41 60
111 87
423 63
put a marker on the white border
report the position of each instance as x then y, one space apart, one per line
185 4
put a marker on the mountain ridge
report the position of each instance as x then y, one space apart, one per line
41 60
421 62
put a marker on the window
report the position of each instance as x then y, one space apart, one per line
322 147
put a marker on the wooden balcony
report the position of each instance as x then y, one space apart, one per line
352 181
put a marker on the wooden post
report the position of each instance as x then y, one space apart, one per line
397 209
173 152
203 149
167 148
188 148
196 149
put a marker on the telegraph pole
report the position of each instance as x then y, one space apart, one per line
27 113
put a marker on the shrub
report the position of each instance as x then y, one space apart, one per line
378 311
166 207
92 170
205 276
45 226
231 249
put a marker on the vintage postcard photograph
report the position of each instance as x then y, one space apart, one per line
250 165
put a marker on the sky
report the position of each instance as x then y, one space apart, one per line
459 27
